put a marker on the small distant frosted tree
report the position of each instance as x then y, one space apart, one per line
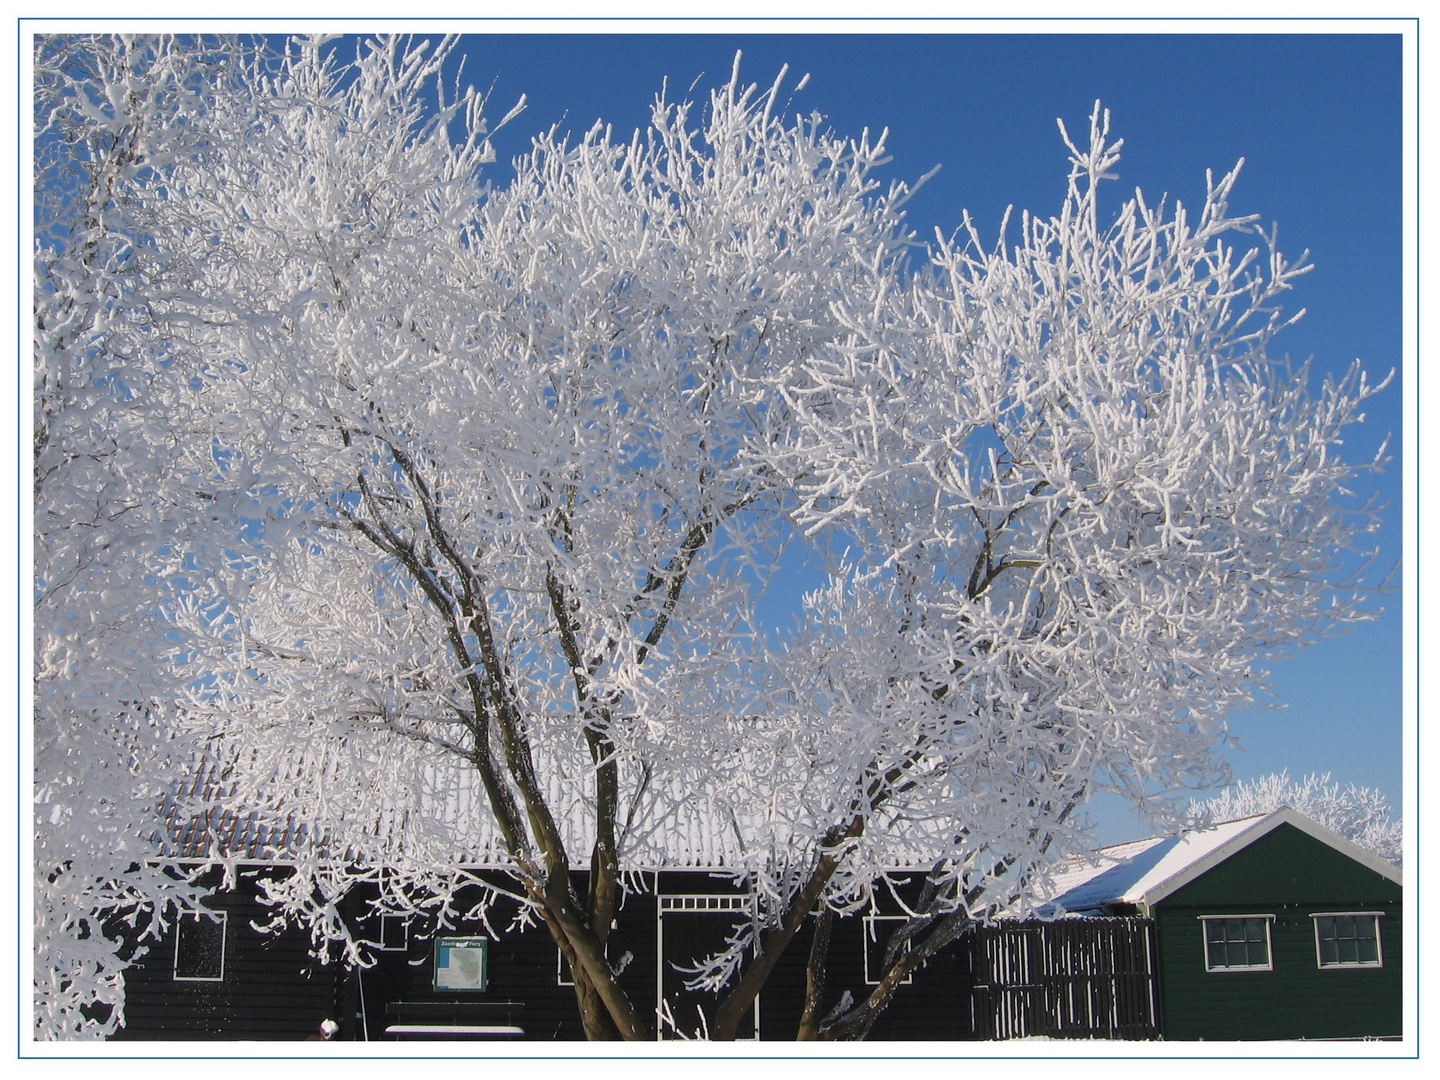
1361 815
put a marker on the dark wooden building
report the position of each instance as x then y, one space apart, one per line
226 980
504 978
223 979
1270 927
1266 928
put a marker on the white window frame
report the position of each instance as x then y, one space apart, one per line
404 921
1269 964
223 918
560 979
1379 961
692 902
869 922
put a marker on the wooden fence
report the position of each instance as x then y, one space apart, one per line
1068 979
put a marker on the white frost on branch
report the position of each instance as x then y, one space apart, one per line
457 500
1361 815
107 111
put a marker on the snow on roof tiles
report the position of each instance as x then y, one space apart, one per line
1126 873
200 821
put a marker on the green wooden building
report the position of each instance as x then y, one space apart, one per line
1269 927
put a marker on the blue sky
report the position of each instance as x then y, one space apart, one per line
1317 118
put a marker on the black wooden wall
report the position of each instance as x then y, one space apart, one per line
1075 979
272 988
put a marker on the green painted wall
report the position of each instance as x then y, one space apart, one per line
1289 875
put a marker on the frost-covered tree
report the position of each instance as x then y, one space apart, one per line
1361 815
469 493
107 110
1088 503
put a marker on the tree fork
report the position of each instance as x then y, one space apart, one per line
593 963
595 1017
585 952
604 858
507 814
586 948
732 1009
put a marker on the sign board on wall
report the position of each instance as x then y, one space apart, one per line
461 963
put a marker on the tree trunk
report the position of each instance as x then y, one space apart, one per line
599 1027
588 961
732 1009
856 1024
815 978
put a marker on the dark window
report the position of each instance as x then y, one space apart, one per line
878 930
1348 940
563 975
394 933
200 947
1237 944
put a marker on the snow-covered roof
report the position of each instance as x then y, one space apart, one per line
200 821
684 828
1144 872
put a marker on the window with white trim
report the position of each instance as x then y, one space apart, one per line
878 929
1347 939
1237 942
394 933
200 947
563 975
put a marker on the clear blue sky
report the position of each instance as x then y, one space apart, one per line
1317 119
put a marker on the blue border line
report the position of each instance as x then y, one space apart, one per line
19 517
1410 490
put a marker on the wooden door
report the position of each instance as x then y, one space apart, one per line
691 929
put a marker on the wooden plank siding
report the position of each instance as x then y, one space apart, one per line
524 967
933 1005
1289 876
272 988
1068 979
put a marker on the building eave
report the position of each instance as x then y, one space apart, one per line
1261 828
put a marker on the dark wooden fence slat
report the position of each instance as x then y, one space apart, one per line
1071 979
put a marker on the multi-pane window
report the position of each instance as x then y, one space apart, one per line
1348 940
1237 944
200 947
